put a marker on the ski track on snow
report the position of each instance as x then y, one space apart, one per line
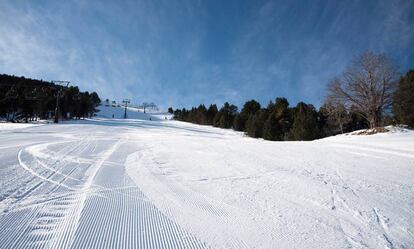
142 184
78 213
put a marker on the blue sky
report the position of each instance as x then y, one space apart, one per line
183 53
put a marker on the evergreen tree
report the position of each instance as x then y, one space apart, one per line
271 128
25 99
222 122
255 123
237 123
403 98
211 113
201 115
249 108
224 118
217 118
278 122
284 117
305 123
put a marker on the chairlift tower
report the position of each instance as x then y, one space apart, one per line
61 84
126 102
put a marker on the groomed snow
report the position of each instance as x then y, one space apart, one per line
113 183
13 126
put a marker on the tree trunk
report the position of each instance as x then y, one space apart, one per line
374 121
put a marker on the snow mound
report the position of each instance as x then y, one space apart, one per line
376 130
397 128
13 126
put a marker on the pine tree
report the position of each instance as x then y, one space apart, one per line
305 123
255 124
217 118
211 113
222 122
224 118
271 128
278 122
249 108
237 123
201 115
28 99
403 98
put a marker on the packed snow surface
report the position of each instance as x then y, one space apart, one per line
13 126
113 183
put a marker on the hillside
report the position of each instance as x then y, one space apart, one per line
117 112
26 100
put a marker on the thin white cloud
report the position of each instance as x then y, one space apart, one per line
161 51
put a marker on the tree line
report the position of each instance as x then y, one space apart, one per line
368 94
24 99
277 121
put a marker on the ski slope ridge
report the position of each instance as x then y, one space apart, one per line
140 183
118 112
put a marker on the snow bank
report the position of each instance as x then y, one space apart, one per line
377 130
14 126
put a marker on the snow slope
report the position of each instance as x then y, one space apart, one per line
132 113
135 183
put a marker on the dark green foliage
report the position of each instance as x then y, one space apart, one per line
237 123
305 123
225 116
249 109
271 123
170 110
197 115
326 126
211 116
271 129
181 114
211 113
201 115
23 99
403 98
255 123
280 122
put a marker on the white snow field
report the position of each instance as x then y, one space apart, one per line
106 183
132 113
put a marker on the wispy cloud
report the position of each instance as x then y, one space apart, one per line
183 53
